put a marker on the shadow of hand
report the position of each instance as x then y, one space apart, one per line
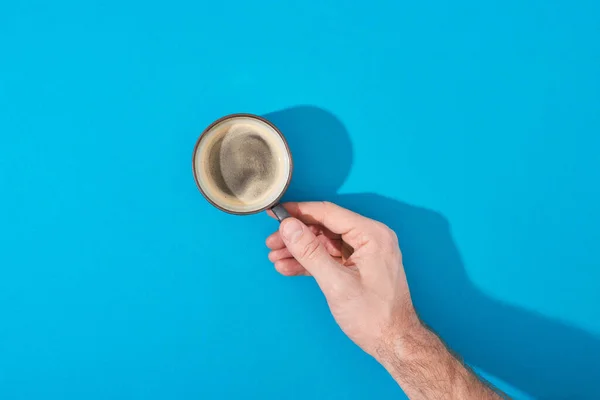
538 355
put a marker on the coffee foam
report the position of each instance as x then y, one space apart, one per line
242 164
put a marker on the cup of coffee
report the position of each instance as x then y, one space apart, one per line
242 165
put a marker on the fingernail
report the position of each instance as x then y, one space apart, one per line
291 230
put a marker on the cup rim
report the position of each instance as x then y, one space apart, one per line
263 120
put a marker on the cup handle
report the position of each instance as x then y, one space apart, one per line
280 212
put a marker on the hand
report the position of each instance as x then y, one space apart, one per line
366 290
368 295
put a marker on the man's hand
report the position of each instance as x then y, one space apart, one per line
357 263
366 292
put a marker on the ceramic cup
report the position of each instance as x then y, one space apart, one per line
242 165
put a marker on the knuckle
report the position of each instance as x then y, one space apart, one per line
310 250
387 235
392 236
326 207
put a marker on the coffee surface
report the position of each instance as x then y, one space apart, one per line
242 164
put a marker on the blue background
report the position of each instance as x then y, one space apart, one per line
472 128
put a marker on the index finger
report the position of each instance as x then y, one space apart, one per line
344 222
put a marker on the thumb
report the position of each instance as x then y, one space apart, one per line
308 250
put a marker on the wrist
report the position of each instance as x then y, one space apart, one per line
410 352
424 367
401 338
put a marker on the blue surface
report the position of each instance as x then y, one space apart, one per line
472 128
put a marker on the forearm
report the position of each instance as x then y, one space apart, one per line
425 369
